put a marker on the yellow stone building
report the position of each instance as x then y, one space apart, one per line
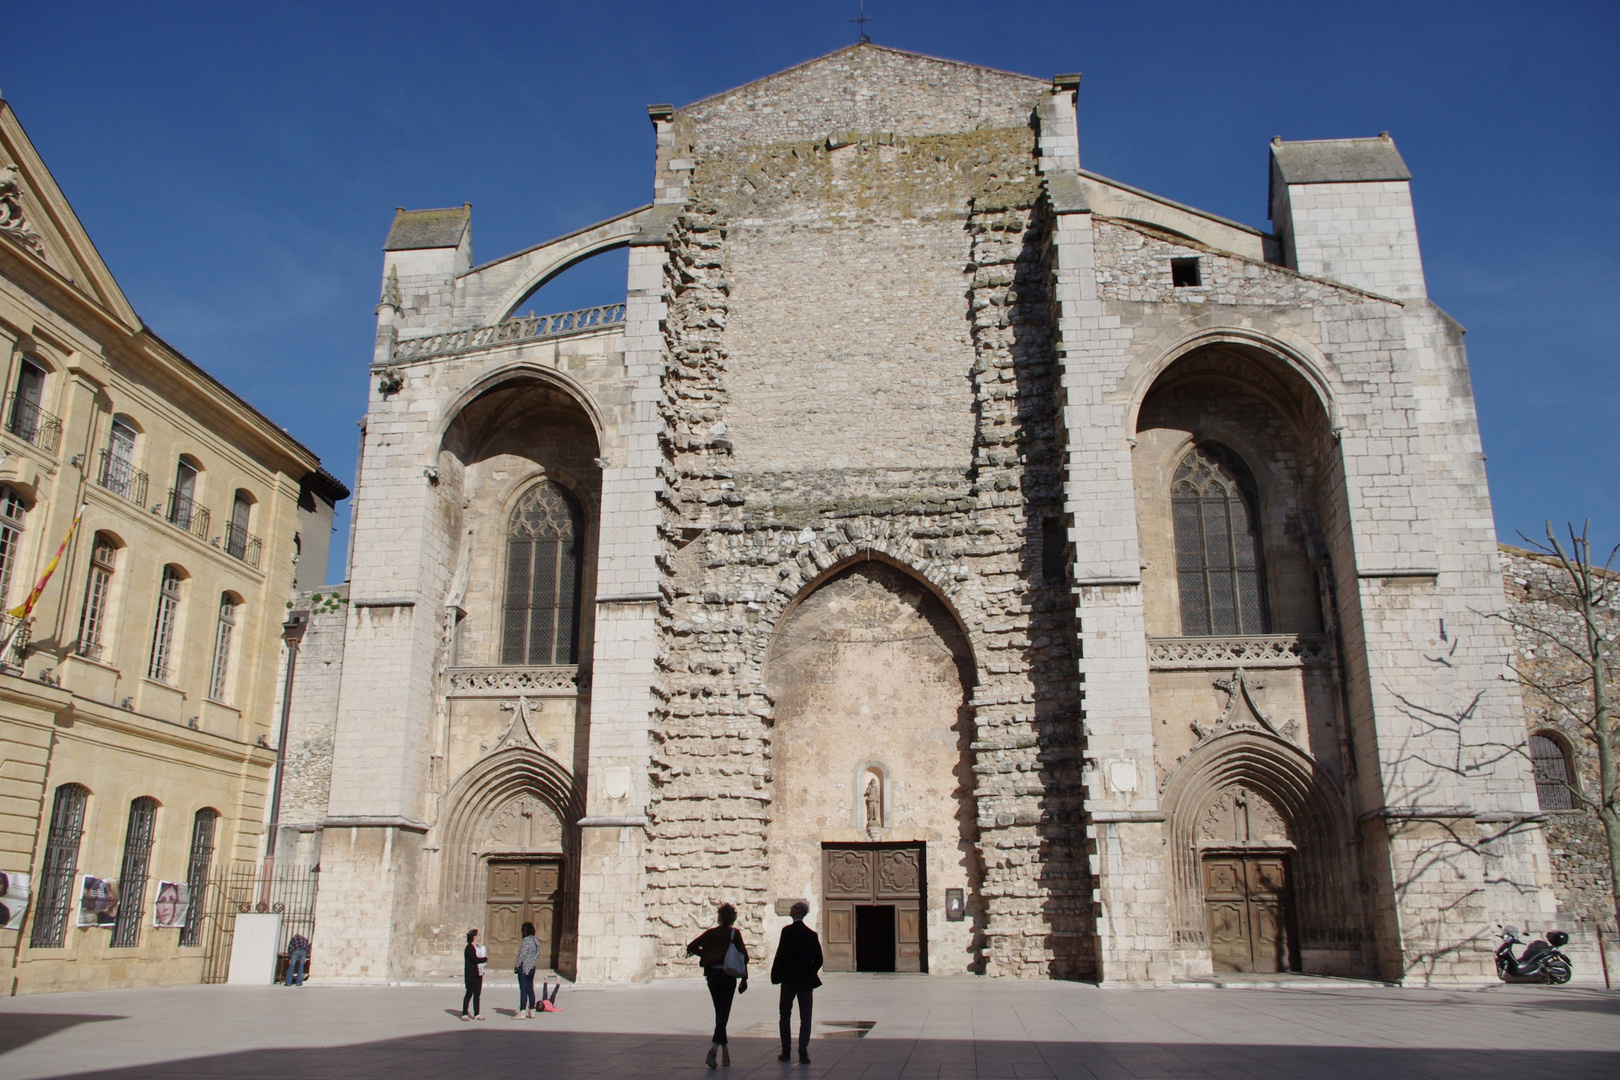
138 698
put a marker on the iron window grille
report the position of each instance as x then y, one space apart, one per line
222 648
241 544
32 424
61 864
1554 783
120 476
202 858
93 619
186 514
163 631
132 877
1218 561
543 552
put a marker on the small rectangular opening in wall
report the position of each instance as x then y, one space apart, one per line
1054 550
1184 273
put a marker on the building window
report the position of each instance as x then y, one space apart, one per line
1554 778
184 511
97 592
1185 274
25 418
118 472
132 877
202 858
12 512
222 647
1218 566
163 631
61 865
543 555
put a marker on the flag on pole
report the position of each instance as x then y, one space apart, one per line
26 608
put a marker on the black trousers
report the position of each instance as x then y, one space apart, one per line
805 993
721 989
475 990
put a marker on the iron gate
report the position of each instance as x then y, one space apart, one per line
291 894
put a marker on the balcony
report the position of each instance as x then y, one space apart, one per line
121 478
26 420
241 544
184 513
9 624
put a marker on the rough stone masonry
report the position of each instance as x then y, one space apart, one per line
1037 576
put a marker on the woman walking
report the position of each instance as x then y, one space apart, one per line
723 969
528 956
472 971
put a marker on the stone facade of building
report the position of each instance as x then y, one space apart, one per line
136 697
1038 576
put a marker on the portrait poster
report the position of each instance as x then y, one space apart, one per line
172 904
98 901
13 899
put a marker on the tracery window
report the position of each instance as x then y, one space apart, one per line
132 876
1553 777
544 545
202 857
1218 563
93 619
61 864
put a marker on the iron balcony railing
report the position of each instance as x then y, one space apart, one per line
241 544
184 513
26 420
121 478
19 645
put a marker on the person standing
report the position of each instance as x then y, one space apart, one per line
527 958
472 971
722 970
798 959
297 959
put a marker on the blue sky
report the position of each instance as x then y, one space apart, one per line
238 164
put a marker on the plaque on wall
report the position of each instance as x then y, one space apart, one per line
785 907
955 905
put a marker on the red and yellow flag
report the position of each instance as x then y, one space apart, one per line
26 608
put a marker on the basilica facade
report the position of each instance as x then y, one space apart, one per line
1039 577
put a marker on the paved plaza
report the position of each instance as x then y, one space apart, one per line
867 1027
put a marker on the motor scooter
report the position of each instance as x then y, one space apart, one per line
1541 962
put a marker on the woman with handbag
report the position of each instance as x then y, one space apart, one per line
724 957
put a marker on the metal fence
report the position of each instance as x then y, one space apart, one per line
242 890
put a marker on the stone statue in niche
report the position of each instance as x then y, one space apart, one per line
874 801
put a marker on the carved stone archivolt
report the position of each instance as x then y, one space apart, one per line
13 219
1239 816
523 824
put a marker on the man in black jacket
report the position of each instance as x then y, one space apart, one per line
798 958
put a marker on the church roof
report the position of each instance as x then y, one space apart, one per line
428 228
1337 161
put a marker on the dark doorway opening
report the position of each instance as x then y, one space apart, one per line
874 937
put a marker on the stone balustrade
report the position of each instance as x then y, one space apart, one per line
1248 651
512 331
508 682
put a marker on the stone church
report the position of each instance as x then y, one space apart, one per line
1038 576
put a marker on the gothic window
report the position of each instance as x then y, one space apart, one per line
61 864
202 857
93 619
222 646
1218 565
1553 775
132 877
12 512
163 631
544 544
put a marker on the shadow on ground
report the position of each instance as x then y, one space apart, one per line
20 1029
494 1054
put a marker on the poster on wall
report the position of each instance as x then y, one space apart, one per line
13 899
172 904
98 901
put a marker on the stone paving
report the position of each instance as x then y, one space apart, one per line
944 1028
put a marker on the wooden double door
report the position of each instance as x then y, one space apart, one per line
1249 906
873 900
520 891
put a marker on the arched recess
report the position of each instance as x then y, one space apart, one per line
1330 934
518 372
473 807
869 665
